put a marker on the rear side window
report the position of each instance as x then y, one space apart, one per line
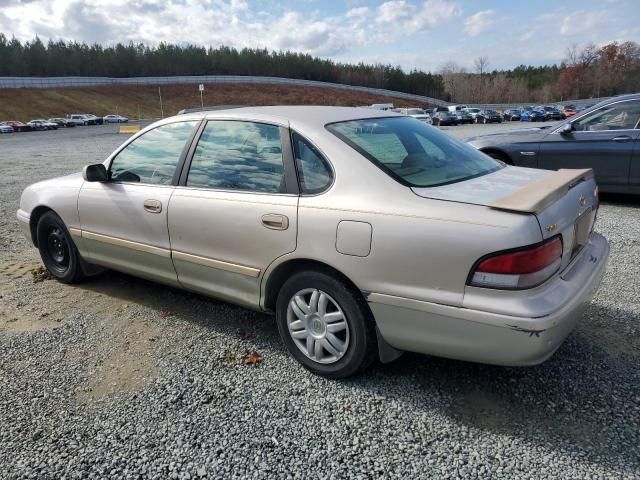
617 116
413 153
314 175
237 155
152 158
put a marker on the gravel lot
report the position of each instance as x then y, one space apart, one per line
122 378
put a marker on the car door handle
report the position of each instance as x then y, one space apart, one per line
153 206
275 221
622 138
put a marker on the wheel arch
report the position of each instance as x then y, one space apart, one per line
286 269
36 214
504 156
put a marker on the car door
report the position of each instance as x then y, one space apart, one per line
235 209
602 139
124 220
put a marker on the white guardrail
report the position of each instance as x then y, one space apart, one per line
53 82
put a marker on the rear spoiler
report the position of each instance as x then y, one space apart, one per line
536 196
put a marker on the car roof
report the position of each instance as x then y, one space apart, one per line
308 115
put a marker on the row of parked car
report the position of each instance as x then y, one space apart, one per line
462 114
72 120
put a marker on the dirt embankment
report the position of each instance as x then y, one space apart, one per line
135 101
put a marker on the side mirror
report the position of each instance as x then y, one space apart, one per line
566 129
95 173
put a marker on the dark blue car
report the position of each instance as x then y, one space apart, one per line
531 116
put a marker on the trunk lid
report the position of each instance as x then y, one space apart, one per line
563 201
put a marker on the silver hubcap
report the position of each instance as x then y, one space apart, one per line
318 326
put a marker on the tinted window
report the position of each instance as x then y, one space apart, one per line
313 172
412 152
153 157
618 116
234 155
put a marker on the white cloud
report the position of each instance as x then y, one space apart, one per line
479 22
582 21
392 11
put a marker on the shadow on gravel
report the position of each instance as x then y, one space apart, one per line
584 401
184 306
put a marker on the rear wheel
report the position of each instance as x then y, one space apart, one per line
58 252
325 324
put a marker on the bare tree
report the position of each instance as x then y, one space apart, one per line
481 64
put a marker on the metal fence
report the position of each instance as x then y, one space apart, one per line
53 82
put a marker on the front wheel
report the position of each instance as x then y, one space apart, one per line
57 250
325 324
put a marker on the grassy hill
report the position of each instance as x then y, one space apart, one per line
142 101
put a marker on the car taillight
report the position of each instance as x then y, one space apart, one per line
523 268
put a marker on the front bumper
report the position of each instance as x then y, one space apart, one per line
494 338
23 223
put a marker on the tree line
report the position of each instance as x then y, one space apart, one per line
588 72
60 58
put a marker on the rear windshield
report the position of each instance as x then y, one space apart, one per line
413 153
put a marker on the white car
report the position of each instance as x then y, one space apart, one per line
417 113
5 128
367 233
114 119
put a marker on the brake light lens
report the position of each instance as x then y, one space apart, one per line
523 268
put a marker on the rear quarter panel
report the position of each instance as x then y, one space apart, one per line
420 248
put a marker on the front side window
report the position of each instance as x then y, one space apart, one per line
152 158
237 155
618 116
413 153
314 174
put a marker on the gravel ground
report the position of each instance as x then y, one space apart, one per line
122 378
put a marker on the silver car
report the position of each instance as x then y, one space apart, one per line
367 233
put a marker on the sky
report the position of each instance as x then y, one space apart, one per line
423 34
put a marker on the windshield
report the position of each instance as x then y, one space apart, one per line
415 111
413 153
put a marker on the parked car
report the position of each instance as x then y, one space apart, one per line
4 128
83 119
417 113
569 111
605 138
115 119
41 124
512 115
464 116
456 259
473 112
18 126
551 113
62 122
95 119
382 106
444 118
531 116
488 116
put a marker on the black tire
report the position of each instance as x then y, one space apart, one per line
57 250
362 346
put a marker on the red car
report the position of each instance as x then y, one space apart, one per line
18 126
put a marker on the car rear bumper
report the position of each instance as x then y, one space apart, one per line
493 338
